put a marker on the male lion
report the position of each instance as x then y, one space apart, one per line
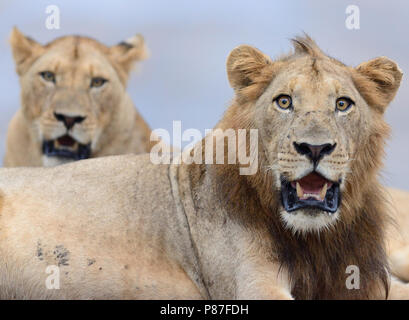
123 227
73 101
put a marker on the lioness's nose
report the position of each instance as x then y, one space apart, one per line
314 152
69 121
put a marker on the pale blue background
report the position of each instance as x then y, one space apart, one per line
189 41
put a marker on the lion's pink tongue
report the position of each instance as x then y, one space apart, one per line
66 141
313 183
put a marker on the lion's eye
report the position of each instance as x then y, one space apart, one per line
97 82
48 76
344 103
283 101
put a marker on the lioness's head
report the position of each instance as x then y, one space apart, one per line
71 90
321 128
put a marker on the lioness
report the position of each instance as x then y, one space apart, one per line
398 236
123 227
73 101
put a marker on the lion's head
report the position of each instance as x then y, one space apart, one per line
321 129
71 90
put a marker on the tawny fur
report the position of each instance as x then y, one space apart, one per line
112 125
397 235
132 229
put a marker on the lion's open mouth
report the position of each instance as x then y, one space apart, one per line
311 191
66 147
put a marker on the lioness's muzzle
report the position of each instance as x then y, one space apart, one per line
66 147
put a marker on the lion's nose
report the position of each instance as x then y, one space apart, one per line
69 121
314 152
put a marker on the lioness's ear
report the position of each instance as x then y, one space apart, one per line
247 69
127 52
25 50
378 81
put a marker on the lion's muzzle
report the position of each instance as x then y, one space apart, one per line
311 191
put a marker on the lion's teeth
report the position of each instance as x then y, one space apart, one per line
323 191
300 192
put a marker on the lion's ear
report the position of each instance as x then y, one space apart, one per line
378 81
127 52
247 69
25 50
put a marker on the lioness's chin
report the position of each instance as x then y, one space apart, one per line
308 220
55 161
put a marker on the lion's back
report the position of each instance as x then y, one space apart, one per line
116 186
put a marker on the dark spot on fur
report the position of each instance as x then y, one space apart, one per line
76 44
90 262
61 255
39 252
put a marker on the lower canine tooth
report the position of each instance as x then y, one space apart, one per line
300 191
323 191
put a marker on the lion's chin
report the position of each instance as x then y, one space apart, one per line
66 149
308 220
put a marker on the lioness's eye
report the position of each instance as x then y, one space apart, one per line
97 82
48 76
283 101
344 103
